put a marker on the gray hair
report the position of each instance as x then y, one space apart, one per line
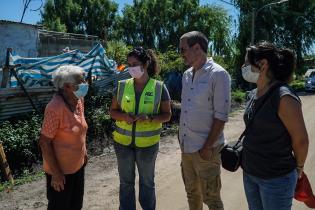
196 37
66 74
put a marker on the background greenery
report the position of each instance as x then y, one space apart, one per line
158 24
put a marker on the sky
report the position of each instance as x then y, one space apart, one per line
12 9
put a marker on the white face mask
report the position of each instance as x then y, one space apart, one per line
249 75
135 72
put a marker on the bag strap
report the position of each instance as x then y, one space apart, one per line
268 94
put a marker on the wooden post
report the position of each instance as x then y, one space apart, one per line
6 70
5 77
5 166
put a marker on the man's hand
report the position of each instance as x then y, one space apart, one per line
205 153
58 181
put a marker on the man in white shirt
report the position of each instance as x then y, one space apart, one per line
204 110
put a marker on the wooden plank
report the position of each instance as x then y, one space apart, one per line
5 166
5 77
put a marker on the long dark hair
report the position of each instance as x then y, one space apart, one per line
146 56
281 60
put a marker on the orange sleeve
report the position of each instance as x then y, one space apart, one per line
50 124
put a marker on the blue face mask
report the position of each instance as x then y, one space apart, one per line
82 91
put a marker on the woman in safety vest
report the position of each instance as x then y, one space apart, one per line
140 105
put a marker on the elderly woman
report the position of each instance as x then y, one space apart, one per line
276 144
62 140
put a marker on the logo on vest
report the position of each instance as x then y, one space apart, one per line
149 94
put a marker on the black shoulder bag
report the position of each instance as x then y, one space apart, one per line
231 153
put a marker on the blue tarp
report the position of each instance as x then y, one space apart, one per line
38 71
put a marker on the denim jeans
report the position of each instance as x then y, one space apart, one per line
270 194
144 158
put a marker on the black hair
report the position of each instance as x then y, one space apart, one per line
196 37
146 56
281 60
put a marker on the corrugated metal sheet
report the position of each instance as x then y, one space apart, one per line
14 102
106 85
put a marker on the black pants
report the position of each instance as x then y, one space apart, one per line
71 198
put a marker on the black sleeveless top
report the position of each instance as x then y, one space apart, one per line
267 147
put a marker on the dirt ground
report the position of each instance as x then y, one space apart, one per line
102 182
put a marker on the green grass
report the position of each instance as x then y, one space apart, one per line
25 178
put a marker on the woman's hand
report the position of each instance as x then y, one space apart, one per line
58 179
129 118
58 182
142 118
299 171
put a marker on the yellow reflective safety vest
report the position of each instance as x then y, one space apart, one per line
146 133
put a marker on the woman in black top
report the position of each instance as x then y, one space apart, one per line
276 144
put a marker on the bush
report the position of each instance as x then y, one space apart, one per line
20 142
238 96
298 85
118 51
170 61
99 122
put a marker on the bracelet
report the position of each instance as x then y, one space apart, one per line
300 167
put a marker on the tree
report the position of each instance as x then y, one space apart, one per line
118 51
160 23
296 29
291 24
94 17
50 19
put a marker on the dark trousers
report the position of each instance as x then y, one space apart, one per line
127 159
71 198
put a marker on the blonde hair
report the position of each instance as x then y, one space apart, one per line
66 74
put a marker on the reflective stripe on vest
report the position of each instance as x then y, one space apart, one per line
158 96
120 90
146 134
139 134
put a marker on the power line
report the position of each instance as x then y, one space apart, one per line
226 2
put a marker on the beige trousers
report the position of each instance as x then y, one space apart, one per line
202 180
